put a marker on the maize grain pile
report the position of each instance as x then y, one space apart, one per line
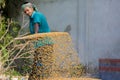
54 56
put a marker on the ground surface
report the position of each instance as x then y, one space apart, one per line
73 79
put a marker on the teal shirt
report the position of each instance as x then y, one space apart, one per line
39 18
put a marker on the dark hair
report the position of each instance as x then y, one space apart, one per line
25 3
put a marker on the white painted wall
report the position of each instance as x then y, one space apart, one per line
95 25
102 29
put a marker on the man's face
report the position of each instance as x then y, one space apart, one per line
28 11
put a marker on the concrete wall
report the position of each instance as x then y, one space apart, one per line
93 24
102 29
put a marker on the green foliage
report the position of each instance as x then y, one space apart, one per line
14 28
5 55
10 49
2 3
6 36
23 65
13 73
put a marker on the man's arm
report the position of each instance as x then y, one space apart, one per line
36 25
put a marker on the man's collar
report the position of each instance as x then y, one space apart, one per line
32 14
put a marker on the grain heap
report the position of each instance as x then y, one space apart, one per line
54 56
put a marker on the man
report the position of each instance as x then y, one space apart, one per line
38 22
43 46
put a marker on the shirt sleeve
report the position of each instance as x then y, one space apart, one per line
37 19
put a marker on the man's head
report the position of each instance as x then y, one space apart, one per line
28 8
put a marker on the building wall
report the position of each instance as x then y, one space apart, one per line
93 24
102 30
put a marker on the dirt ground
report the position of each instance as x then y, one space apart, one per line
72 79
58 78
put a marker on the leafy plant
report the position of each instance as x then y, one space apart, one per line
13 72
12 51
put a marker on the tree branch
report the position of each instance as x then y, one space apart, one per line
9 22
16 56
